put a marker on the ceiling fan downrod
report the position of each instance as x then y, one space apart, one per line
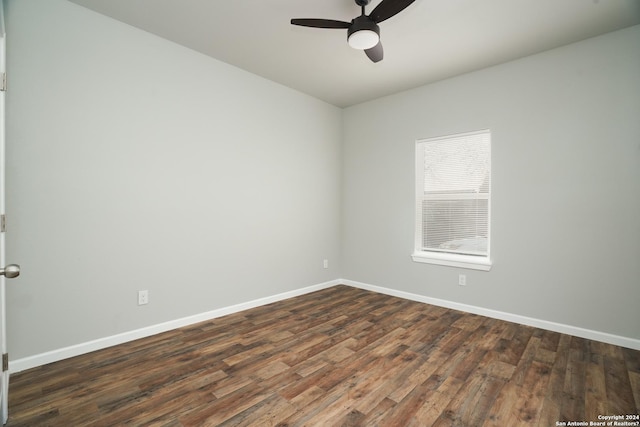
362 4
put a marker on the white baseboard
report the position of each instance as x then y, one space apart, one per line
510 317
83 348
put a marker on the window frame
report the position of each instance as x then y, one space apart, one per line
452 259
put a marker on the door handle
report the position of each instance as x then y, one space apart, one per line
10 271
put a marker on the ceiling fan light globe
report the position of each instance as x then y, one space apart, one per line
363 39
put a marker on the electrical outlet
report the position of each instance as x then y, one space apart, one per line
143 297
462 279
326 263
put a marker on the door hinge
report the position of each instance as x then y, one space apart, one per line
3 83
3 223
5 362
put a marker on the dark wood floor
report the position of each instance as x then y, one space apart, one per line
343 357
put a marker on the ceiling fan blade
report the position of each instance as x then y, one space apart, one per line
388 8
320 23
376 53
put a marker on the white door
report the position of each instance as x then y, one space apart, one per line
10 270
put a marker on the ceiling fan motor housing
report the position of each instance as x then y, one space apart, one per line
363 23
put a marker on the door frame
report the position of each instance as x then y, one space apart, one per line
4 375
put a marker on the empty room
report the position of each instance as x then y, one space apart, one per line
248 213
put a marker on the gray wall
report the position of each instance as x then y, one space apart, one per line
565 186
134 163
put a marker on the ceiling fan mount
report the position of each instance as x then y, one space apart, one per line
363 31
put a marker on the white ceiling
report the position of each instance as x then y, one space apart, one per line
430 40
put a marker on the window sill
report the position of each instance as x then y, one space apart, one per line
453 260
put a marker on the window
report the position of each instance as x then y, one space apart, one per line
453 186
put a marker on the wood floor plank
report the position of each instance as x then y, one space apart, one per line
551 406
421 374
405 410
573 405
595 384
437 402
618 385
471 402
341 356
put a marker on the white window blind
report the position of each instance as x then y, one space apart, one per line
453 182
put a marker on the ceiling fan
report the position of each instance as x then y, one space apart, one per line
363 32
